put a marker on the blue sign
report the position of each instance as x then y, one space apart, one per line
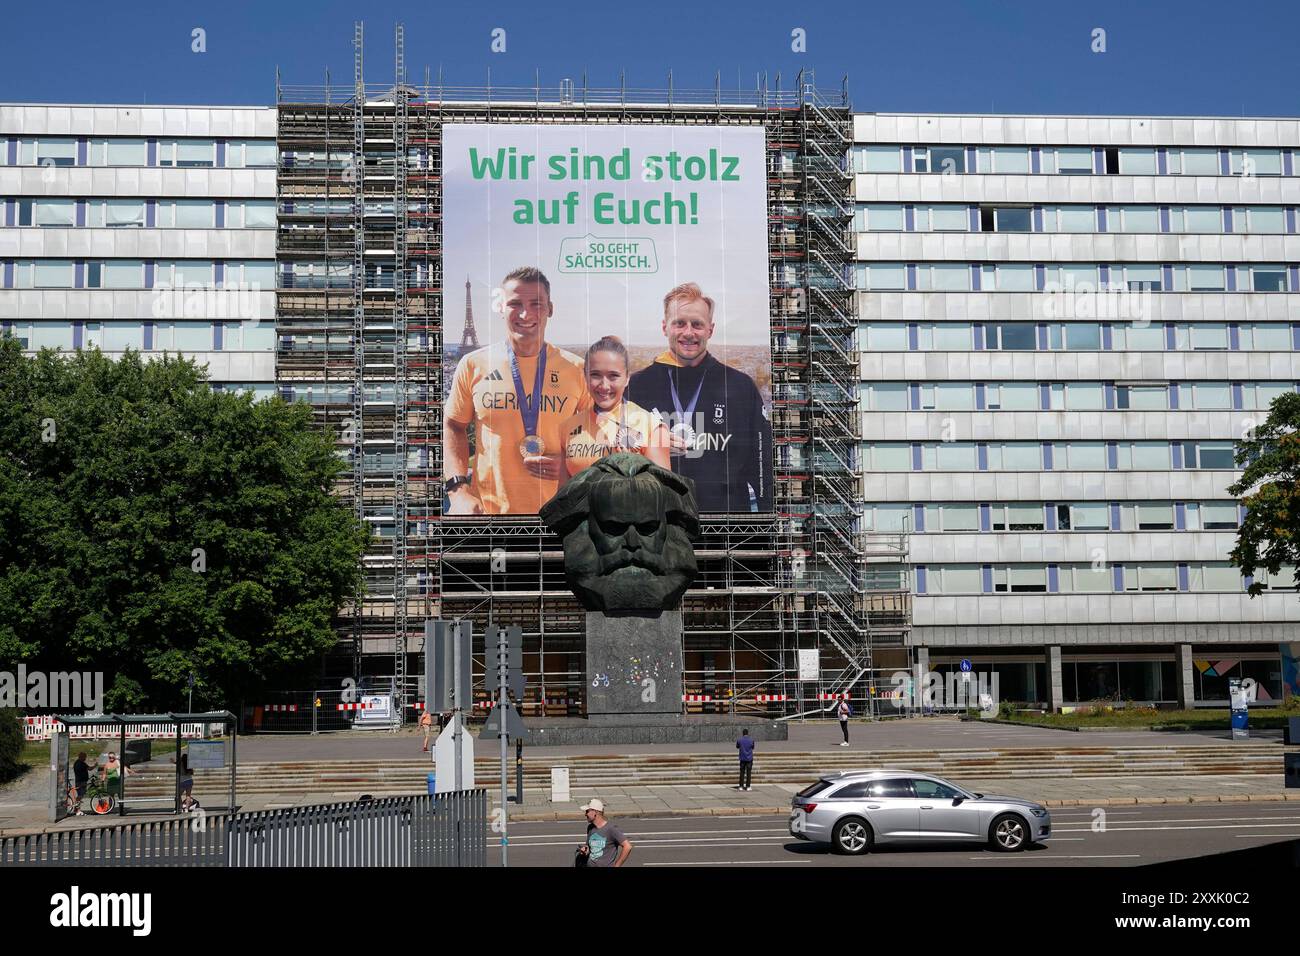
965 666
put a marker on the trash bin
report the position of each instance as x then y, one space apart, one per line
432 788
1293 771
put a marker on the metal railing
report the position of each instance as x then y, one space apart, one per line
448 829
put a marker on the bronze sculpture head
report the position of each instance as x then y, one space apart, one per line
627 526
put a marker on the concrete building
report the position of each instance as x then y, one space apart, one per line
146 227
1064 324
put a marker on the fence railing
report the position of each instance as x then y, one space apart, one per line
43 727
448 829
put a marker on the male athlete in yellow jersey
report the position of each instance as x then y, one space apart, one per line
517 394
610 424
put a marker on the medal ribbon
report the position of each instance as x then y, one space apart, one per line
689 411
529 408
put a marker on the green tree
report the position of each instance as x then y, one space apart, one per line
1270 535
151 528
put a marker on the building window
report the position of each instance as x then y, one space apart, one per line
1194 162
877 159
1012 337
1074 160
1268 279
1006 219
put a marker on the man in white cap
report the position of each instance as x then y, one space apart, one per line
600 834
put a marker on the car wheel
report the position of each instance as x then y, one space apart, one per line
1009 833
851 836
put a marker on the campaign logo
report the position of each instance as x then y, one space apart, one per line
717 413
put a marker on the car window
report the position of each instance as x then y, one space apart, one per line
934 789
889 788
817 787
852 791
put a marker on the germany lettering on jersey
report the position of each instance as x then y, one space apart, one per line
483 392
592 434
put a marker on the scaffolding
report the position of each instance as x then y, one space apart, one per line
361 301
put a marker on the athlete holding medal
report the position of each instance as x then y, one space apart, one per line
516 394
610 424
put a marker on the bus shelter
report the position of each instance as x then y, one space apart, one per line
208 739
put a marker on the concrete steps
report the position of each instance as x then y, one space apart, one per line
590 772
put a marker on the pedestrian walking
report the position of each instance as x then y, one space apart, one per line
426 726
844 711
185 781
746 747
606 844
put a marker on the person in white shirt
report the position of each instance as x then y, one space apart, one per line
844 712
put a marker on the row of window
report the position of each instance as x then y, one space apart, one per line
1048 456
138 274
137 151
1098 577
1076 278
952 217
1075 160
1070 396
141 213
156 336
1078 336
948 517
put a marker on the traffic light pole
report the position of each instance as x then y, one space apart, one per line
503 657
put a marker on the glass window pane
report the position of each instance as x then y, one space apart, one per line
192 272
1219 515
889 396
953 336
1013 219
1027 577
1091 580
56 152
1091 516
1019 396
123 274
1137 162
124 212
885 218
1137 219
1074 159
1272 337
1085 395
55 212
1015 336
1145 337
1268 278
1155 516
1266 392
195 152
959 579
195 213
1015 278
878 159
126 152
961 518
893 517
1212 395
1200 162
1010 159
1077 219
891 456
1265 219
1087 455
949 219
53 274
193 336
887 336
947 159
1022 456
1150 456
123 335
1215 455
1083 336
55 335
1209 335
1203 278
1157 577
950 277
259 152
1200 219
1220 576
1257 162
956 456
954 396
1080 276
887 276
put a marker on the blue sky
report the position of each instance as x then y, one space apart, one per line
1188 57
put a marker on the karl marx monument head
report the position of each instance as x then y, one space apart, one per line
627 526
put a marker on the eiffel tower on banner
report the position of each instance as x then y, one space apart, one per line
469 339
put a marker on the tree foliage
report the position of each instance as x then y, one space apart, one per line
152 528
1269 538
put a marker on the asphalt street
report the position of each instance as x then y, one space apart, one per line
1124 836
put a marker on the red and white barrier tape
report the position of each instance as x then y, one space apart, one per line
762 698
357 706
697 698
833 697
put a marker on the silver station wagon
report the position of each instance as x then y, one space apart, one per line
854 810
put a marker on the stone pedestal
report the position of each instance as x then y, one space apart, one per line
634 666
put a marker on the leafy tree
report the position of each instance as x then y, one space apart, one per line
151 528
1270 535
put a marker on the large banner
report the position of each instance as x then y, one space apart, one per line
613 286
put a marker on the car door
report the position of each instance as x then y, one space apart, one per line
941 818
888 805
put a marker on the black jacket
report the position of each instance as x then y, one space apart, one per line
733 437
